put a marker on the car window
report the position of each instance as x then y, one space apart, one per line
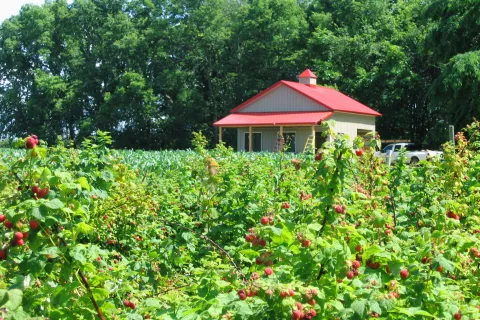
397 148
412 147
388 148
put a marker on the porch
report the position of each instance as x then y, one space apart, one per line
292 138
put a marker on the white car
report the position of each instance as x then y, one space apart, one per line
414 153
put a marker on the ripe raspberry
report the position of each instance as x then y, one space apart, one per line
296 314
33 224
242 295
268 271
265 220
306 243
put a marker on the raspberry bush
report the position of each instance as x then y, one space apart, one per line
93 233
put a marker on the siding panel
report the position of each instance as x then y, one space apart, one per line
283 99
349 123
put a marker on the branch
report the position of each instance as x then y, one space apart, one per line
320 272
87 286
92 298
16 176
324 222
239 271
394 207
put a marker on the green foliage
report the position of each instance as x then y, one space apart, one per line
187 234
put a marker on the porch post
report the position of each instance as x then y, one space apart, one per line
220 134
313 139
281 139
250 139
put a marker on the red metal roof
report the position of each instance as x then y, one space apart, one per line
307 74
332 99
327 97
273 119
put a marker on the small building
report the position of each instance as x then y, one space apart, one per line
291 113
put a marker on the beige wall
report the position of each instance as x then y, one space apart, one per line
346 123
283 99
349 123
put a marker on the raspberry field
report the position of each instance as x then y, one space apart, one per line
94 233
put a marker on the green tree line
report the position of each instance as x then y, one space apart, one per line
153 71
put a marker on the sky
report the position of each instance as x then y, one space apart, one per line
9 8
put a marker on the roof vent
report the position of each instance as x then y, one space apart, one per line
308 78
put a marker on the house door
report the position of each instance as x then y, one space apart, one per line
290 141
256 141
319 140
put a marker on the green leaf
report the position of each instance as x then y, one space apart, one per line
441 261
46 174
395 267
359 307
14 299
423 313
336 304
315 226
375 307
152 303
249 253
187 236
84 228
378 220
54 204
375 249
78 253
107 175
411 312
38 213
84 183
3 297
53 252
243 309
53 181
64 176
100 294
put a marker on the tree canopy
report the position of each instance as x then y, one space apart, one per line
153 71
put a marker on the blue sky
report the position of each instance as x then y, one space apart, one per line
9 8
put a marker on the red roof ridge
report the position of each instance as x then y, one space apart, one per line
307 74
282 112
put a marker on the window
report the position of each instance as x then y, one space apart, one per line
388 148
256 141
289 141
397 148
413 147
362 132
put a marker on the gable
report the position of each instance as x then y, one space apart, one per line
282 99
